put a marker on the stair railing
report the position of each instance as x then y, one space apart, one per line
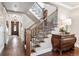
31 32
32 39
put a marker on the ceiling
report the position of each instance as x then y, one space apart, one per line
69 5
24 6
72 5
18 6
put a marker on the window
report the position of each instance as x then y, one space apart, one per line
37 9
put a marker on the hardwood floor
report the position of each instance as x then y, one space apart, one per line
74 52
14 47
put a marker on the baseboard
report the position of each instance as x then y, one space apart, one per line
41 52
1 48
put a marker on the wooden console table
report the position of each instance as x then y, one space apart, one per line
62 42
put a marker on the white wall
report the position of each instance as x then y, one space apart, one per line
27 22
62 13
74 15
75 24
2 27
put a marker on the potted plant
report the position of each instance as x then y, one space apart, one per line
62 31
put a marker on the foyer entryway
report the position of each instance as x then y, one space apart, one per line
14 28
14 47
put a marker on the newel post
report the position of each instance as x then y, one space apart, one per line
28 37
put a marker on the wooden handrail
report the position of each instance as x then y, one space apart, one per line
35 25
53 12
28 36
30 26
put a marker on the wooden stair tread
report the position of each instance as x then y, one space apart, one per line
36 46
33 51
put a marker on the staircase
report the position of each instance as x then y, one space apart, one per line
39 35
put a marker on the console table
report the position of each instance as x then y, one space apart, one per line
61 42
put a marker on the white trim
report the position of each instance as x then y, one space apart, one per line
76 7
61 4
41 52
66 6
1 48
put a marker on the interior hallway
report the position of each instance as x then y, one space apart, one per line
14 47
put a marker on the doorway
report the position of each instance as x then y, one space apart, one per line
14 28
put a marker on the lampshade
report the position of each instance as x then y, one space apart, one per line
67 21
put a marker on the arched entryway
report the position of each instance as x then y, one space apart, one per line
15 28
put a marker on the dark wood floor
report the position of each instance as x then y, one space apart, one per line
14 47
74 52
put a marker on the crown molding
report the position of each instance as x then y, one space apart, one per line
65 6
